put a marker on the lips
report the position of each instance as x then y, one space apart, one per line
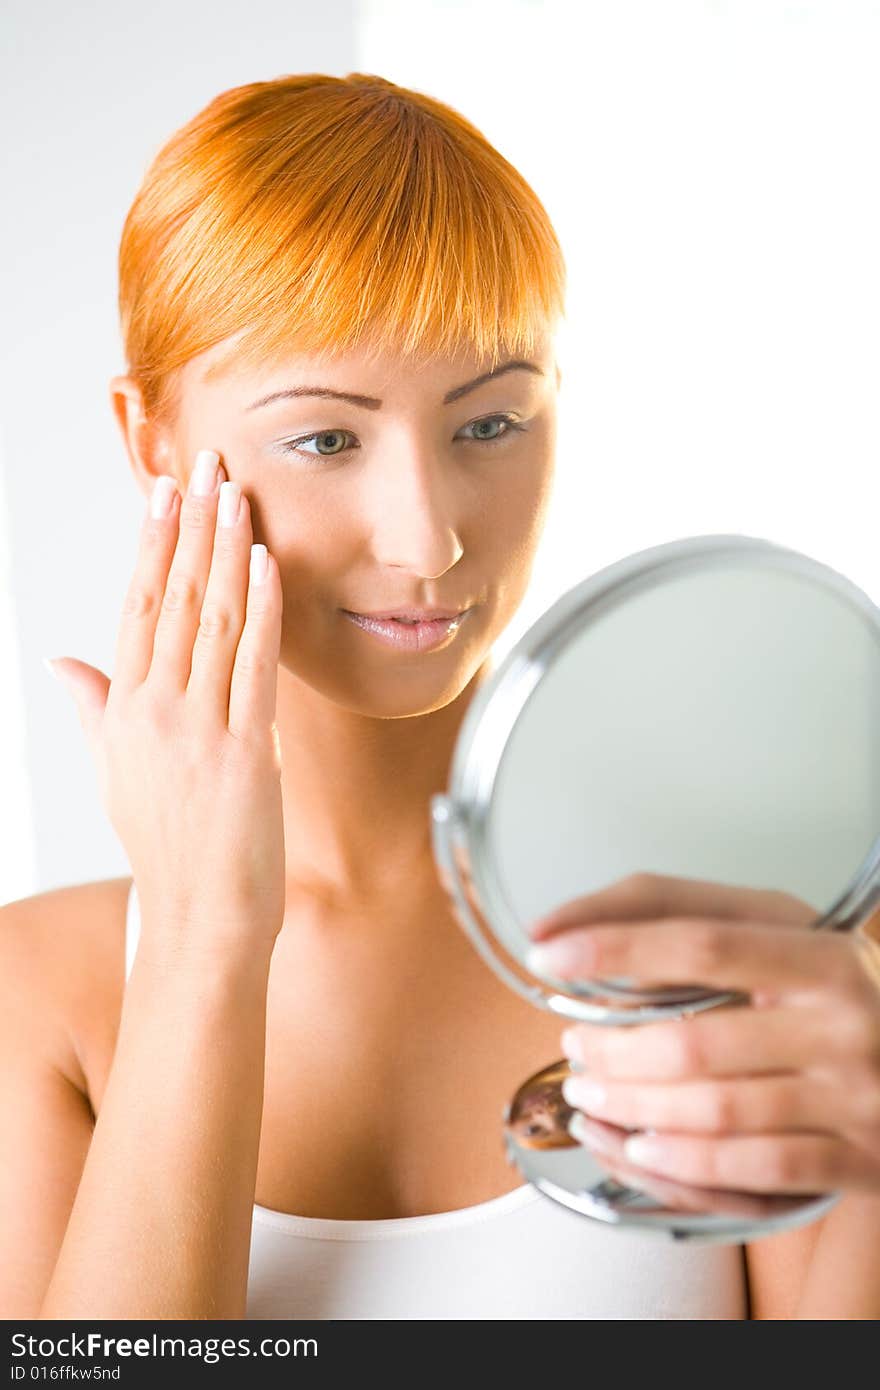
414 636
410 615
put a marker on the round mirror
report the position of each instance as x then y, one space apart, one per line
707 710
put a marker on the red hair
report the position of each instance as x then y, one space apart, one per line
318 213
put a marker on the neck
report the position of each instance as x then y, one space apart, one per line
356 796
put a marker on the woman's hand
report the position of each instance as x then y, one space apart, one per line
780 1095
183 736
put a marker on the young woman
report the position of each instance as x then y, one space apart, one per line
264 1076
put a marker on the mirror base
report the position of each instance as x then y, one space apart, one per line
539 1145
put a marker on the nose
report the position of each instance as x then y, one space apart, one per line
413 513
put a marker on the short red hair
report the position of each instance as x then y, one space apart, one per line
322 213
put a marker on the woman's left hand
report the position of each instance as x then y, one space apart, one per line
780 1095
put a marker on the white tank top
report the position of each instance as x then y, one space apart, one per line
520 1255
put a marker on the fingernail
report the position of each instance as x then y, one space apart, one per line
550 958
580 1129
583 1092
575 1127
162 498
640 1149
259 567
230 504
47 662
204 474
570 1044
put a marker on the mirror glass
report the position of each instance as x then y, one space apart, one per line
722 725
706 712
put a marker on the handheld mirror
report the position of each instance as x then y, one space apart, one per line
705 710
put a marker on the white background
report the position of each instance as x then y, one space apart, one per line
711 169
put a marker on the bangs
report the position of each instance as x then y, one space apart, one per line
328 215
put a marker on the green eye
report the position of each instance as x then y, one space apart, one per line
507 420
479 423
337 438
332 435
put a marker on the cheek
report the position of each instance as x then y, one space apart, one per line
315 554
309 530
516 511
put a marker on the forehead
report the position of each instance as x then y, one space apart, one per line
368 370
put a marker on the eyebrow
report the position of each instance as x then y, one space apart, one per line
371 403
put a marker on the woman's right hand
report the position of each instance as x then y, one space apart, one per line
184 736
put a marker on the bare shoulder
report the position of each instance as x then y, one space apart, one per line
62 963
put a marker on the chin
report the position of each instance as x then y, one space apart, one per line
387 684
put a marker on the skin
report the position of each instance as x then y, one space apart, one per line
407 506
414 511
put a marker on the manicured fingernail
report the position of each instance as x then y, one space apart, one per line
47 662
162 498
580 1129
575 1127
642 1149
259 563
551 958
583 1092
204 474
570 1044
229 506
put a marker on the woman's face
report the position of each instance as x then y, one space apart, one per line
412 493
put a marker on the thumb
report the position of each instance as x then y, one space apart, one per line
89 688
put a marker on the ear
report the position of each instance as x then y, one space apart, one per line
148 447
